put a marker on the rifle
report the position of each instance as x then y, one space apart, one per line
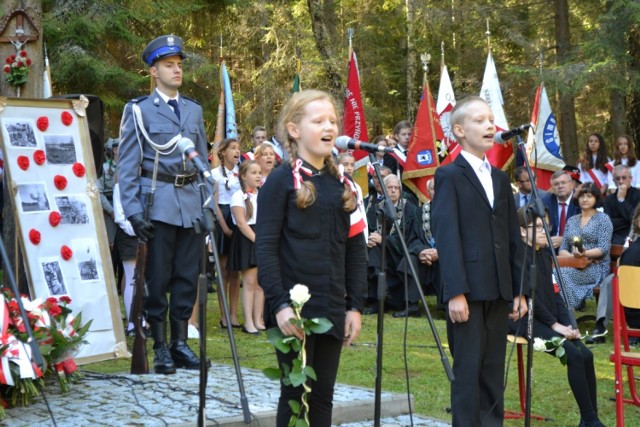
139 360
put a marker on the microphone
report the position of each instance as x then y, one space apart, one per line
503 137
348 143
186 147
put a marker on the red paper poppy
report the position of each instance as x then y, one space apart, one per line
39 157
34 236
43 123
78 169
23 162
60 182
54 218
66 118
66 252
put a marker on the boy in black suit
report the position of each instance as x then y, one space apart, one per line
475 226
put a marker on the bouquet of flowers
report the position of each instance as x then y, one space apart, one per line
16 68
299 373
58 335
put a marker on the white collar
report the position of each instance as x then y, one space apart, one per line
166 97
477 164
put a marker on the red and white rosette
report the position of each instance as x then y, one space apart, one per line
297 178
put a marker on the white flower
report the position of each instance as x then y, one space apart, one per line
299 294
539 344
34 307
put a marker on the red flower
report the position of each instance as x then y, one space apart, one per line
23 53
66 252
20 64
28 62
65 299
66 118
51 300
23 162
13 305
78 169
34 236
54 218
13 58
7 68
43 123
55 310
60 182
8 60
39 157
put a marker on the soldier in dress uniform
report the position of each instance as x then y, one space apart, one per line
150 130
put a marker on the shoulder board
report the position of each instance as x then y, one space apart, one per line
138 99
189 99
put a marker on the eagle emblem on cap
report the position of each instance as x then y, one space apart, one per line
171 41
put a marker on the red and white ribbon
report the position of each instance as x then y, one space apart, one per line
357 222
297 178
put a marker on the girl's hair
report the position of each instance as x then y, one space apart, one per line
590 188
244 169
343 156
293 112
601 158
224 144
631 152
379 140
259 150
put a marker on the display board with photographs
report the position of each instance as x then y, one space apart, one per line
51 179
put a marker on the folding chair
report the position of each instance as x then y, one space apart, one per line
626 293
522 386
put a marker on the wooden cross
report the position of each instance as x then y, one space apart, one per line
23 33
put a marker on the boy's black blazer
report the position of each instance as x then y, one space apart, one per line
479 248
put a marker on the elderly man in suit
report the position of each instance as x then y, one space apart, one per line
475 226
149 158
560 204
621 204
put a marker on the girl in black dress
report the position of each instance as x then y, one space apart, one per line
302 236
242 254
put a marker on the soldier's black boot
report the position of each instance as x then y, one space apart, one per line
181 354
162 361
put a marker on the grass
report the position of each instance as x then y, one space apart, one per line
551 394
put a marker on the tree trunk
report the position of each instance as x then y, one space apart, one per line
633 113
32 89
412 62
567 122
617 110
323 18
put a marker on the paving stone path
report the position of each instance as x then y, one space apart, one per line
159 400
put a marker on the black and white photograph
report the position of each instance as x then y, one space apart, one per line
21 134
73 209
33 197
53 276
60 149
85 253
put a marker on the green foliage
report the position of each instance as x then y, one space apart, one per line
94 47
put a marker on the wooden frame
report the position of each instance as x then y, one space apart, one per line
51 180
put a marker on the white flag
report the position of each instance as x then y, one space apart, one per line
445 103
547 138
499 156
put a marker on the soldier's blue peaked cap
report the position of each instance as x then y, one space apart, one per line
162 47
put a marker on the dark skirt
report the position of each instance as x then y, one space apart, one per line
224 242
126 245
242 253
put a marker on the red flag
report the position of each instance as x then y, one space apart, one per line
499 156
422 157
354 122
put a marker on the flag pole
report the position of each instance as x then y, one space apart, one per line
488 34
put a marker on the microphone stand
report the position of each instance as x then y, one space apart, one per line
388 212
537 209
208 223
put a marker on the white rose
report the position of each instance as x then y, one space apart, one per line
299 294
33 307
539 344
